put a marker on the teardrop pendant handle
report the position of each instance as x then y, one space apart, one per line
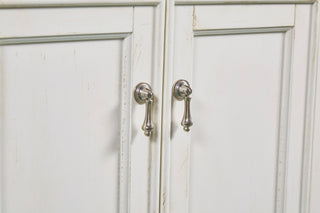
143 95
183 91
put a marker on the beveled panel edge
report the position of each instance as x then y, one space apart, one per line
284 116
235 31
125 126
62 38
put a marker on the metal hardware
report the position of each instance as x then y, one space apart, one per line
143 95
182 91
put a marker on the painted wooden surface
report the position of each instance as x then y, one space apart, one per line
252 71
71 138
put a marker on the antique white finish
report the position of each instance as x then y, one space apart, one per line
252 69
70 128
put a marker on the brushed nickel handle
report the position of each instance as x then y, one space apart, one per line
182 91
143 95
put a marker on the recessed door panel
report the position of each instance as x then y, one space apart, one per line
234 149
61 126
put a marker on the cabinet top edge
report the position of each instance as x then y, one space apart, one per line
5 4
213 2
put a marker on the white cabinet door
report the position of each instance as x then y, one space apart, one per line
251 68
71 138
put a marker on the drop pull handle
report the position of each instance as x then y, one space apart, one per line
182 91
143 95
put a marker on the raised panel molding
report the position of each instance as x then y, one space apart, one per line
63 38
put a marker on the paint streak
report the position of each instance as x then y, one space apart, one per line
164 198
195 20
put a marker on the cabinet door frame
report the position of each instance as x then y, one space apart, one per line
134 54
310 140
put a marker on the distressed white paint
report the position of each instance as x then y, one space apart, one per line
68 145
250 93
71 138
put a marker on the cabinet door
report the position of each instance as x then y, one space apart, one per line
71 138
251 69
